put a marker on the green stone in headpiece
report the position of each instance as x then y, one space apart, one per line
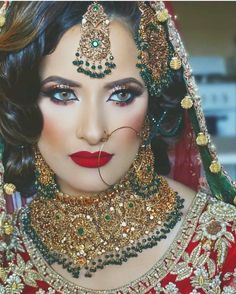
93 56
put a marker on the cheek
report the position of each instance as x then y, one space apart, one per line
54 125
59 121
50 130
135 121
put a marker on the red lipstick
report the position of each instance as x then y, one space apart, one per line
91 160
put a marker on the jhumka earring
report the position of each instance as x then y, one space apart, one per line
145 181
93 56
45 178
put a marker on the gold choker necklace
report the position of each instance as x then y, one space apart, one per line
87 233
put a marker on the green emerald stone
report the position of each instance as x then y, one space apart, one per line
58 216
131 204
80 231
149 169
95 43
95 7
107 217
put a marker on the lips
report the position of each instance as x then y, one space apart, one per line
91 160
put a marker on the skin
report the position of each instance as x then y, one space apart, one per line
80 125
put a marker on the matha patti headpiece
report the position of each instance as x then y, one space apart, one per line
157 58
93 56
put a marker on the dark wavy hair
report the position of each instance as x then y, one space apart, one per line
33 30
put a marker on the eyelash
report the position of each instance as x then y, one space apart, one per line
59 89
133 91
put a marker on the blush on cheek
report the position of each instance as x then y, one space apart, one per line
136 123
51 131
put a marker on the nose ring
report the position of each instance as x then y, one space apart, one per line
104 139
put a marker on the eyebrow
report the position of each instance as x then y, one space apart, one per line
122 82
60 80
108 86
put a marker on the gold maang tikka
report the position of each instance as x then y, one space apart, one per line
93 56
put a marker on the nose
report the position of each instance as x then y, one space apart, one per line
91 127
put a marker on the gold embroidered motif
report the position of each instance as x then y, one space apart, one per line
214 236
185 268
212 229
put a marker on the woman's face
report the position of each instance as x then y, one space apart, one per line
79 111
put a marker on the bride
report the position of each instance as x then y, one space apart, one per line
100 123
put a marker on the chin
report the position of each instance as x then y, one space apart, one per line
90 187
87 182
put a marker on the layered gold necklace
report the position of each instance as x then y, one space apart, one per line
88 233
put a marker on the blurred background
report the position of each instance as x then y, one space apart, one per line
208 30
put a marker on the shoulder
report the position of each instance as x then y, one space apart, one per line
17 269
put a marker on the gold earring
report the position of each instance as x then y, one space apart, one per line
144 165
145 132
144 181
45 178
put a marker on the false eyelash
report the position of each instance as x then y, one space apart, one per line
51 91
60 86
119 87
133 91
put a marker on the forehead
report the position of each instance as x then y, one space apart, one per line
123 49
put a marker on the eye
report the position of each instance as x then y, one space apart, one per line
124 96
60 95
